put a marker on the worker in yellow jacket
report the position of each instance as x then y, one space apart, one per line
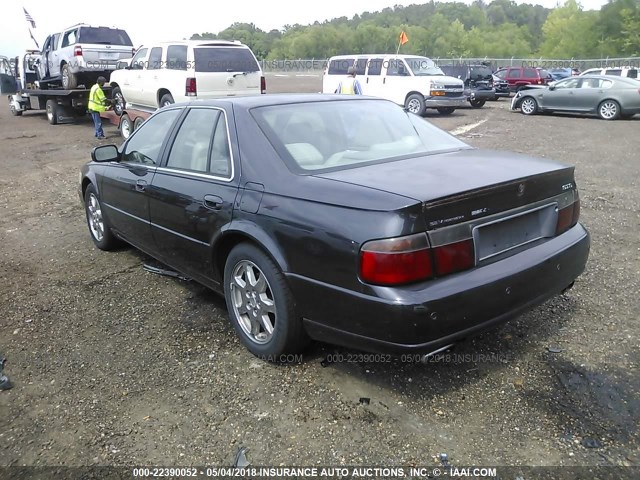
98 103
350 85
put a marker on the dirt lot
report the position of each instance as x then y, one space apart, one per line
113 365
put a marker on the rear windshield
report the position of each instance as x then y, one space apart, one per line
480 73
454 71
225 59
104 36
331 135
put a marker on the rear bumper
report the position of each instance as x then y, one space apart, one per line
424 317
482 94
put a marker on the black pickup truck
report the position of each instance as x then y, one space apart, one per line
478 82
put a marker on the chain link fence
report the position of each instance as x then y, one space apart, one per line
318 65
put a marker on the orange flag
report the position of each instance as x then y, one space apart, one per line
403 38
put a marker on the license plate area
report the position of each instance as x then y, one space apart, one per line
500 236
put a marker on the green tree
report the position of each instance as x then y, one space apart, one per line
568 32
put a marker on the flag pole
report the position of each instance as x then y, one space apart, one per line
398 49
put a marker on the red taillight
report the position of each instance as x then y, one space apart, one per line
568 216
263 85
454 257
396 261
191 89
77 51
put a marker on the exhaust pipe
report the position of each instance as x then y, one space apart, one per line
427 356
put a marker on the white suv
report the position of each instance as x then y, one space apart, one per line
165 73
408 80
629 72
80 54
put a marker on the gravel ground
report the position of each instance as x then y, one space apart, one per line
116 366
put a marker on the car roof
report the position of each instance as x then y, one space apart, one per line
258 100
199 43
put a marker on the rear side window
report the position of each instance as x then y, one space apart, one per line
104 36
613 71
455 71
361 66
224 59
177 57
375 66
155 58
632 74
530 73
340 66
69 39
202 144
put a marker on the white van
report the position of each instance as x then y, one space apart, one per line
165 73
409 80
629 72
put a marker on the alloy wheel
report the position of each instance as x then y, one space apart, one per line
608 110
528 106
94 214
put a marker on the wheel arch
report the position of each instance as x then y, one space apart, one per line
161 92
244 232
412 92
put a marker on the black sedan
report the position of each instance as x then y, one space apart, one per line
342 219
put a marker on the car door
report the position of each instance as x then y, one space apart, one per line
150 78
563 95
193 193
124 184
54 56
589 94
373 82
395 80
132 83
44 62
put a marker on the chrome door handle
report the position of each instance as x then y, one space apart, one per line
213 202
141 185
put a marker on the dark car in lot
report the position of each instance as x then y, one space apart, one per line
478 82
519 77
347 220
608 97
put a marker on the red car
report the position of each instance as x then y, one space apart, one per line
518 77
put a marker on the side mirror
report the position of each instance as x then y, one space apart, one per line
105 153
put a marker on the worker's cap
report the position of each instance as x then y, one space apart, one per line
102 80
351 71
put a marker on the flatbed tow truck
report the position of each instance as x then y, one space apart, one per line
130 119
62 106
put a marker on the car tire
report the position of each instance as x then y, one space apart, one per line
415 104
254 286
99 229
609 110
137 122
446 110
167 99
529 106
69 80
14 111
126 126
53 112
477 103
118 101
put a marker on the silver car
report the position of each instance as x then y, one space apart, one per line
81 53
608 97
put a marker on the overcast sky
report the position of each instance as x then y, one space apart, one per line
166 21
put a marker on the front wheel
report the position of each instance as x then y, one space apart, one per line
415 104
446 110
609 110
529 106
98 226
118 101
261 305
167 99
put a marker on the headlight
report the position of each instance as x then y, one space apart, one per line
437 86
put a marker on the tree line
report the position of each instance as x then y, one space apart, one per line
499 29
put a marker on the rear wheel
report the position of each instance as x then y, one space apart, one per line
415 104
477 103
69 80
529 106
126 126
53 112
166 99
261 305
137 122
609 110
446 110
